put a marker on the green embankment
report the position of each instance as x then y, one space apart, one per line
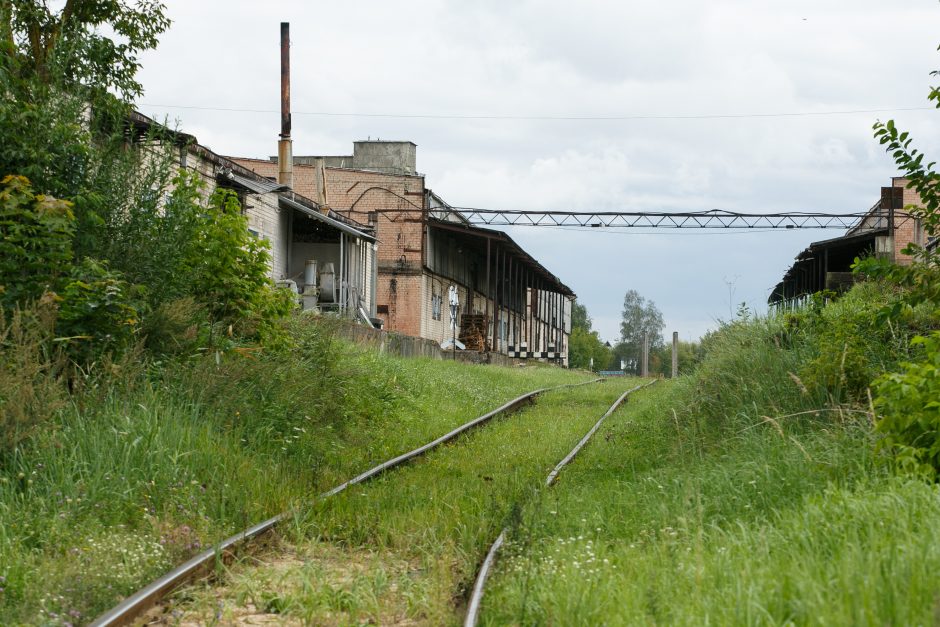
130 479
752 492
771 526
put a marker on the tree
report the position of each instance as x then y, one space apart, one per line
689 354
88 45
641 319
67 79
579 317
141 232
584 344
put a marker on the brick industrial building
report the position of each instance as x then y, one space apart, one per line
885 231
508 300
295 227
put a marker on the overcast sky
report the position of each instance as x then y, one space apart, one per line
590 58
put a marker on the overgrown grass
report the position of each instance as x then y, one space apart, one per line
748 493
136 474
406 546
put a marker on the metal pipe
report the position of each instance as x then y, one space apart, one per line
285 80
374 278
530 311
511 332
285 153
497 301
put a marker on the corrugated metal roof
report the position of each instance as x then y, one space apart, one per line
258 185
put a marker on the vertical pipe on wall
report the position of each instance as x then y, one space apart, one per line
486 292
496 300
502 300
511 331
520 303
555 317
530 311
342 274
373 278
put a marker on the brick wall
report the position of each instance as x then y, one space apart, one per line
398 298
910 230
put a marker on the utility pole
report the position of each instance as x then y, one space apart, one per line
675 354
645 364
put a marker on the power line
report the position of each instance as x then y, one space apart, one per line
552 118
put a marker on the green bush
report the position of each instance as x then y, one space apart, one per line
229 273
908 403
176 327
839 338
35 241
98 312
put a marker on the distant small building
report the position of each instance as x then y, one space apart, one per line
885 231
507 299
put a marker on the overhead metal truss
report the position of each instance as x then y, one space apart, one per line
713 219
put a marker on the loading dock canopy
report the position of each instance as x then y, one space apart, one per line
333 220
476 237
815 266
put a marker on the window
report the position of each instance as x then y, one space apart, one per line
436 301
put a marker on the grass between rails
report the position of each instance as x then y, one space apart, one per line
660 522
133 477
404 548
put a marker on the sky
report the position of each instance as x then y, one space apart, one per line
682 61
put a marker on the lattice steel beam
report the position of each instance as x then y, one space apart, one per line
714 219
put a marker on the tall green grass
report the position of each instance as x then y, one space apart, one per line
746 494
143 469
422 529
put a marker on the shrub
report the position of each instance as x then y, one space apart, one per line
98 312
35 241
230 272
909 405
176 327
847 343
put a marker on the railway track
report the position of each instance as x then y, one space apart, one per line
136 604
476 595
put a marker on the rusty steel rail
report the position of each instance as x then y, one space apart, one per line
142 600
476 596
